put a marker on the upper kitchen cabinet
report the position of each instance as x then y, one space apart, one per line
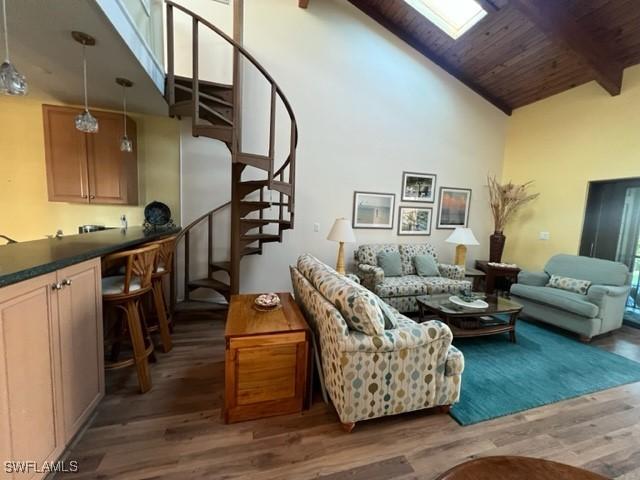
89 167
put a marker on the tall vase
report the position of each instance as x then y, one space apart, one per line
496 246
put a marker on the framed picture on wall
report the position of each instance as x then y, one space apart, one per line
454 206
418 187
373 210
414 220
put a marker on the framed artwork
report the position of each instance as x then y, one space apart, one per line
454 206
373 210
418 187
414 220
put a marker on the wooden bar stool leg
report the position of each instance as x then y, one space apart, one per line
146 332
139 350
161 312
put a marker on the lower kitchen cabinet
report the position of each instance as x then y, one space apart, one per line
51 374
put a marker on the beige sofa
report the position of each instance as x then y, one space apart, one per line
408 367
401 292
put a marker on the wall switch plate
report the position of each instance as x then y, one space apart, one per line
544 236
316 227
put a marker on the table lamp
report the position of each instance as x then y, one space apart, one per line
341 232
462 237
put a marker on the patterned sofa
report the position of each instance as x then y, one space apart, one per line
401 292
409 367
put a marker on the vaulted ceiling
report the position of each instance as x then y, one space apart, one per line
525 50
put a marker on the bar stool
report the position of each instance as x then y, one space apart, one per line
162 322
123 293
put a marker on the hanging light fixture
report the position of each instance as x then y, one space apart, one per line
12 82
126 145
85 122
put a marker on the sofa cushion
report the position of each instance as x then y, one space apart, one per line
390 263
402 286
357 305
369 253
554 297
426 266
569 284
437 285
410 250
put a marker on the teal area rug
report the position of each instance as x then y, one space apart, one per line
501 378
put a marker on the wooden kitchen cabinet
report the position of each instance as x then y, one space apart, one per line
89 167
81 346
51 370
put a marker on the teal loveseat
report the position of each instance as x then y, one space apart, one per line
599 311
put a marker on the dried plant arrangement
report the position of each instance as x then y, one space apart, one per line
506 199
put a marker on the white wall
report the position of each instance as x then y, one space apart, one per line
368 107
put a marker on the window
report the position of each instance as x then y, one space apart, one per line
454 17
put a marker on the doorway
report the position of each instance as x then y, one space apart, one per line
612 231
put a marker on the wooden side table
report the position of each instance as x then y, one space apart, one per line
476 277
493 274
266 360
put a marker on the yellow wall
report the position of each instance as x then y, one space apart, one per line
562 143
26 213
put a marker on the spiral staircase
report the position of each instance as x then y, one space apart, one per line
215 110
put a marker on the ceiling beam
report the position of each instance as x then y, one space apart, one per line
551 17
303 3
488 6
365 7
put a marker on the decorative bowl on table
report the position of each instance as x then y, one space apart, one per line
468 301
267 302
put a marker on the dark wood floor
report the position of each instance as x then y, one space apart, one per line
175 431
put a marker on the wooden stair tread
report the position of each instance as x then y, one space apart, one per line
210 283
264 221
204 95
257 161
187 81
224 266
251 251
254 237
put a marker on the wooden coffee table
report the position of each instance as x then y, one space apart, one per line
472 322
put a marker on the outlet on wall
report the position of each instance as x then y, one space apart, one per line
544 236
316 227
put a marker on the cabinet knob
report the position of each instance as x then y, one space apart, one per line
56 286
92 197
83 196
66 282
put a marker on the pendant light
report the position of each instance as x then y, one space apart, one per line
12 82
85 122
126 145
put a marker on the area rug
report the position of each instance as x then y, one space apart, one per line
501 378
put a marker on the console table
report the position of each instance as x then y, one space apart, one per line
266 359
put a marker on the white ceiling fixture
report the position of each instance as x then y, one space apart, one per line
454 17
12 82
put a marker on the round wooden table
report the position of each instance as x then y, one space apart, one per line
516 468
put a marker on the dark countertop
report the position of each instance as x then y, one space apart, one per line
23 260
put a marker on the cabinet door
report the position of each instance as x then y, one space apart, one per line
29 394
81 357
66 156
112 174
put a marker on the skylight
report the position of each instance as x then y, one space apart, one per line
454 17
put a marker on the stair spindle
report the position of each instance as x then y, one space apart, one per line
272 134
195 85
171 81
186 266
210 240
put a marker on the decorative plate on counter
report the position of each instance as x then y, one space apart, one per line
157 213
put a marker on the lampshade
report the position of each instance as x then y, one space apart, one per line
341 231
462 236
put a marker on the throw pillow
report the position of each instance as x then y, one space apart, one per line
570 284
391 264
426 266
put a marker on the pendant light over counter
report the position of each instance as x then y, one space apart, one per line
12 82
126 145
85 122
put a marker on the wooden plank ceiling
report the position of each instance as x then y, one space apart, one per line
525 50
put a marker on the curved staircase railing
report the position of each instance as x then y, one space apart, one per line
215 109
